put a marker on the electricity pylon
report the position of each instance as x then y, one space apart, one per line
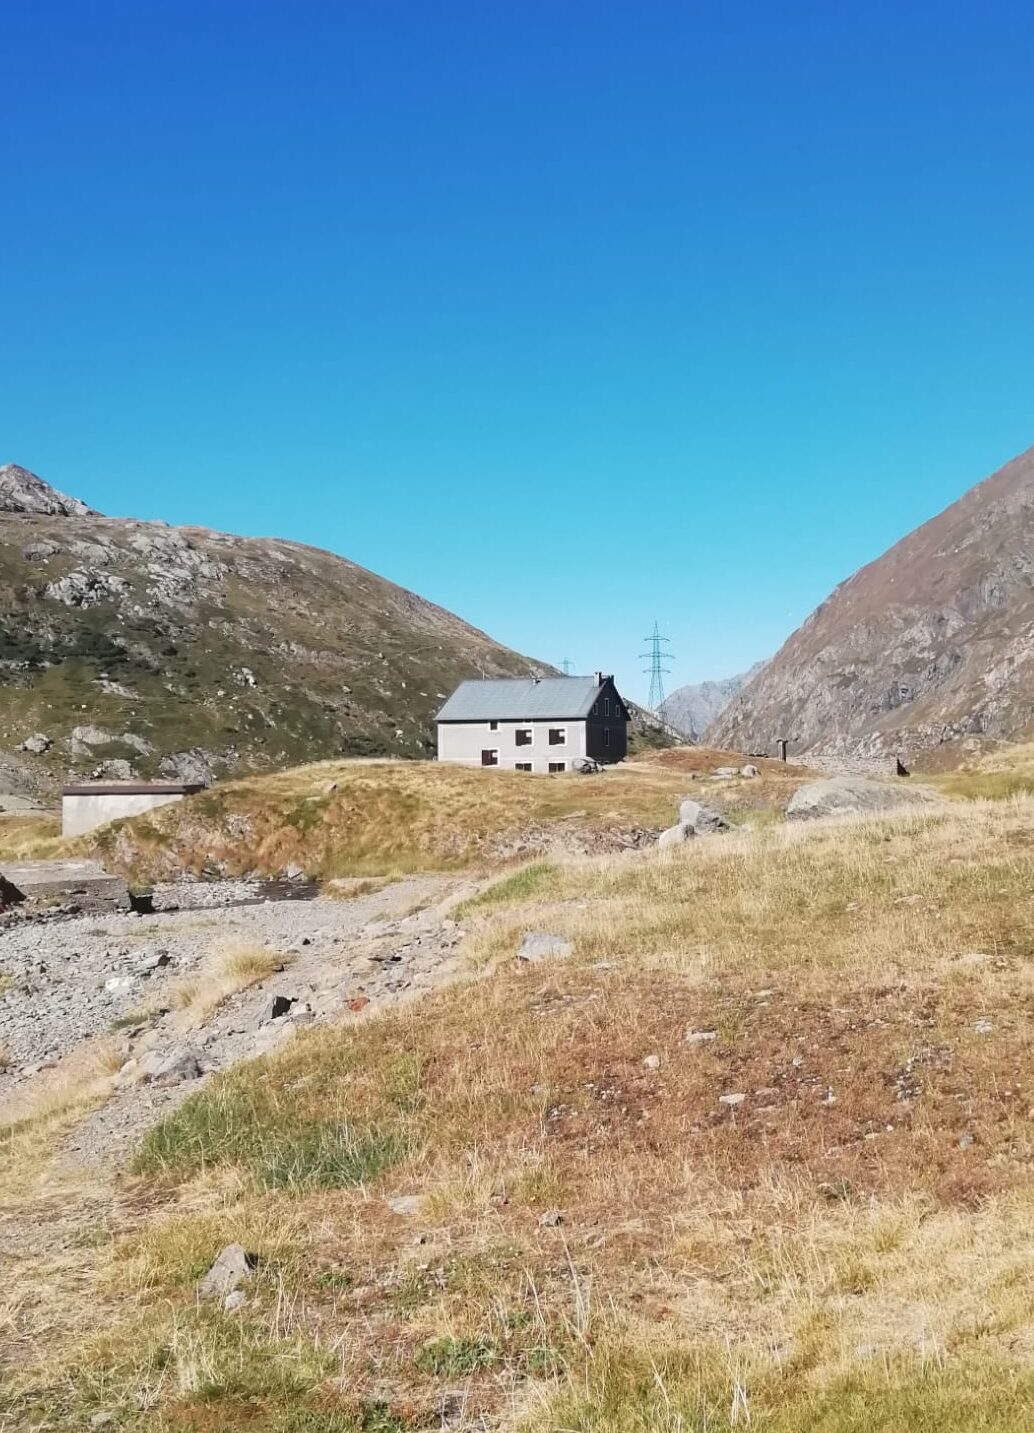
656 657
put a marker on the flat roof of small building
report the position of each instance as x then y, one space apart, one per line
134 788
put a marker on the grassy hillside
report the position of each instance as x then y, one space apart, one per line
356 818
182 651
758 1154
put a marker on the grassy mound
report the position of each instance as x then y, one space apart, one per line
336 819
758 1154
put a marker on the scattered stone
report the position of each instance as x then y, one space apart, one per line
703 819
652 1062
966 1141
699 1037
736 1099
676 835
983 1027
102 1420
405 1204
538 945
725 772
231 1268
234 1300
749 770
118 983
358 1002
552 1219
294 872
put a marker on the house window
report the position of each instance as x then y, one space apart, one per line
595 708
606 736
490 758
558 766
493 726
606 706
522 736
522 766
558 736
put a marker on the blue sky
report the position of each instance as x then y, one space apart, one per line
565 315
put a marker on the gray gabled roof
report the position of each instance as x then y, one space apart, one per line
521 699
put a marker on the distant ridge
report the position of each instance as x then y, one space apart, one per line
929 645
692 709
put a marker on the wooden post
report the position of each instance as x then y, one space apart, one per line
781 744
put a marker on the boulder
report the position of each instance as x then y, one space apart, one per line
703 819
179 1066
749 770
229 1271
676 835
537 945
585 766
36 744
849 795
277 1006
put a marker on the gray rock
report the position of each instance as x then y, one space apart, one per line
231 1268
234 1300
278 1006
749 770
703 819
537 945
551 1219
700 1037
732 1100
585 766
177 1067
153 960
847 795
405 1204
37 744
676 835
23 492
652 1062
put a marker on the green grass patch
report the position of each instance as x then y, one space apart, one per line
534 882
239 1121
457 1357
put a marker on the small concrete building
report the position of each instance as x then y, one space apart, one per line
95 803
534 724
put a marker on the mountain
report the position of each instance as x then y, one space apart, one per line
928 645
692 709
133 648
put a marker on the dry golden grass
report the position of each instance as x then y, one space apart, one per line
226 972
24 838
389 817
847 1248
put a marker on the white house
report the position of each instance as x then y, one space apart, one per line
534 724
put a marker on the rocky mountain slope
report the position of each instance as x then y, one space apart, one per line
929 645
132 648
691 709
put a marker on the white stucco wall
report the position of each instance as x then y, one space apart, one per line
84 813
463 742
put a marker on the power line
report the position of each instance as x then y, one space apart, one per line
656 657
